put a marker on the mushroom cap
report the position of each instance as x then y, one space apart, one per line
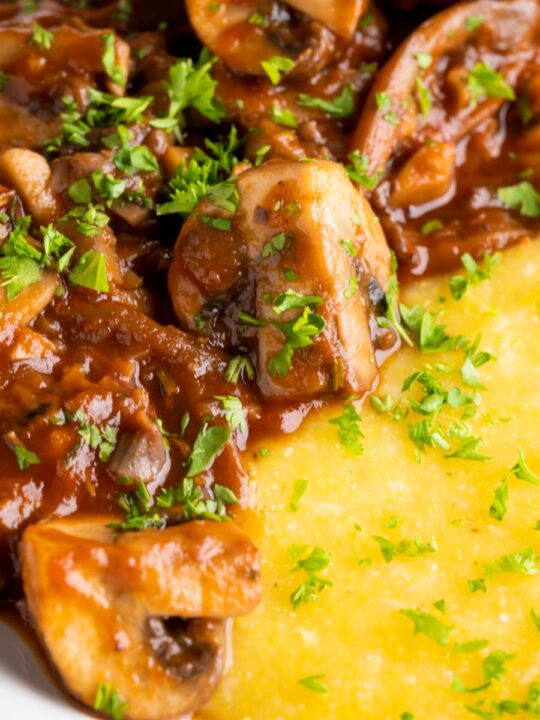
313 207
144 612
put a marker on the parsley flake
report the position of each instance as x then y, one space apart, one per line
314 683
428 625
522 197
208 444
311 562
299 490
349 433
42 37
108 59
91 272
341 106
235 413
298 333
523 562
110 701
485 82
276 66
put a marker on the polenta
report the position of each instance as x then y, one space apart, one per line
355 637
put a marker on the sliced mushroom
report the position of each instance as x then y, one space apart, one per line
30 175
142 455
228 30
432 134
144 612
80 50
300 228
26 306
18 126
340 16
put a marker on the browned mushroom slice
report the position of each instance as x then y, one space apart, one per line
340 16
144 612
294 276
439 125
30 175
246 34
26 305
18 122
83 51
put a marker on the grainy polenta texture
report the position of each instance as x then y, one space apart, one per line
374 667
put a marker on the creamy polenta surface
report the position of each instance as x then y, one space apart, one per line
467 581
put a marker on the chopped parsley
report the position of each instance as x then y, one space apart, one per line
218 223
311 562
225 195
357 170
485 82
299 490
428 625
384 105
101 439
459 284
291 299
349 433
276 66
478 585
196 179
521 471
133 159
41 37
208 444
257 19
239 367
114 71
521 562
406 547
195 505
423 60
430 227
424 97
89 220
109 700
17 273
80 192
283 116
522 197
234 411
91 272
314 683
470 646
341 106
188 86
472 22
392 317
535 617
277 243
298 333
24 457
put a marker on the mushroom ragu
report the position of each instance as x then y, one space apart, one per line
198 207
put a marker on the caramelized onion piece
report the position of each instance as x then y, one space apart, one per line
302 228
143 611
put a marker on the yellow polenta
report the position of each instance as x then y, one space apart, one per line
373 664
